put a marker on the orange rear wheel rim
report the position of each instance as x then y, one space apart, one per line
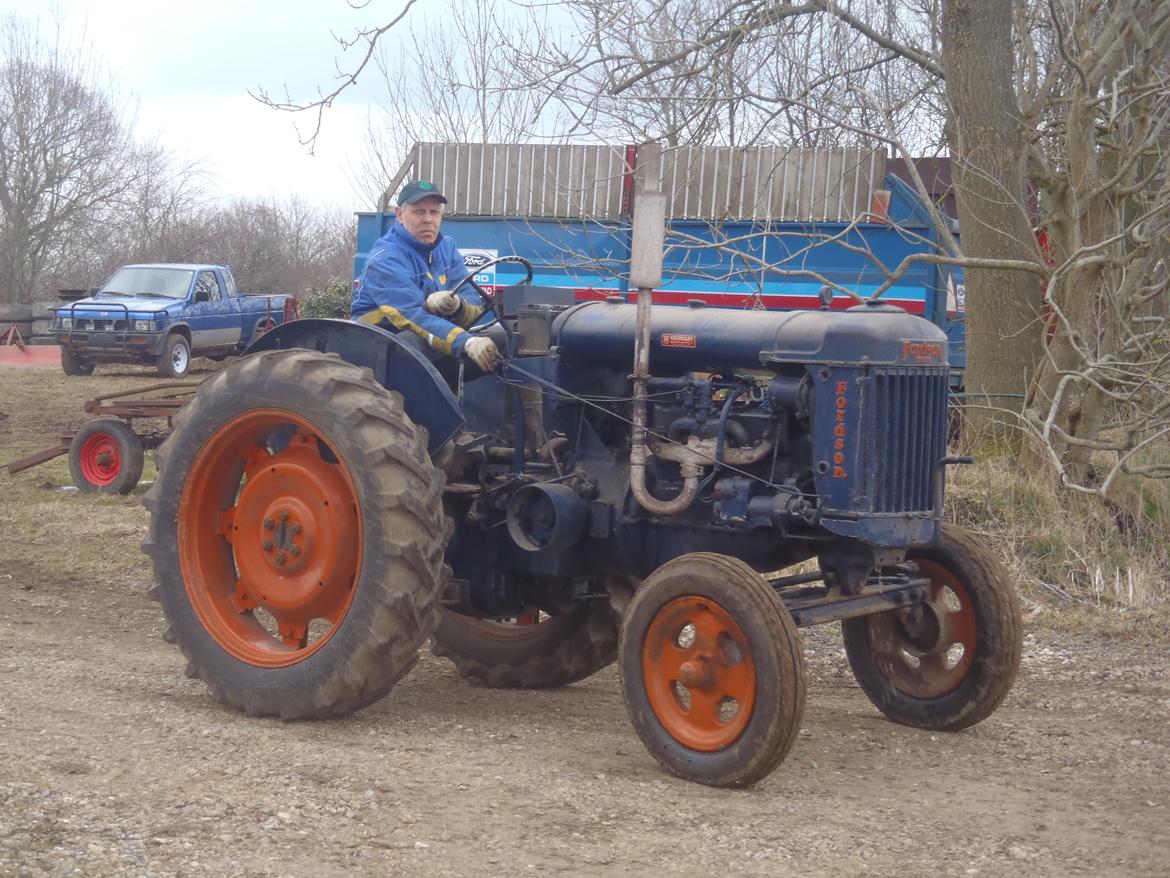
270 538
699 673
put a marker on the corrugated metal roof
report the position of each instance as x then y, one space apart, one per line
596 181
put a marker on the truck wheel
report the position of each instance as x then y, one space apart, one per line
175 359
530 652
948 664
71 364
712 670
105 457
298 582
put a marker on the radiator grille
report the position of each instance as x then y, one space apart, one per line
100 325
907 436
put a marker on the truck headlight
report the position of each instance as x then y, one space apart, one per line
143 325
66 322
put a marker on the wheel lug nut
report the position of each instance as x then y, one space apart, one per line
283 515
295 528
295 550
269 524
268 545
280 558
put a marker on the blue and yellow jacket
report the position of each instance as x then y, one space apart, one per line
401 272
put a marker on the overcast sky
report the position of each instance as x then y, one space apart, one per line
190 65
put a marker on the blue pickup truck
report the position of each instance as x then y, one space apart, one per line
164 314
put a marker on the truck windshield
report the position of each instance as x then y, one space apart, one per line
172 283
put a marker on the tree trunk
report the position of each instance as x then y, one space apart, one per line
989 146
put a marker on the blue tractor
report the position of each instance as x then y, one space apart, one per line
332 500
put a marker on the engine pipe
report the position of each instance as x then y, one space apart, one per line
681 428
639 453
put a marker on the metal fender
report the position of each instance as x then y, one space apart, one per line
180 326
427 398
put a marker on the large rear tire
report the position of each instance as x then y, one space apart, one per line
530 652
297 536
712 670
950 663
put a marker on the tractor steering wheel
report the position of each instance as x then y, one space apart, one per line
488 303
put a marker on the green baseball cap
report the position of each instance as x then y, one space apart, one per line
419 190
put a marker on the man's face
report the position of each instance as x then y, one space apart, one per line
422 218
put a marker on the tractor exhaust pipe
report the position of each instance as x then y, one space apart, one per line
645 275
640 454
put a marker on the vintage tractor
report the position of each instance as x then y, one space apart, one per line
331 501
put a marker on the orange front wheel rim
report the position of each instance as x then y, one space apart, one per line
699 673
928 651
270 542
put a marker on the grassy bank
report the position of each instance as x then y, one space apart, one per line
1080 561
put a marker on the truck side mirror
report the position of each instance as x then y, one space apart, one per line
202 296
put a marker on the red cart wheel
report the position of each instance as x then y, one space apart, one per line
106 457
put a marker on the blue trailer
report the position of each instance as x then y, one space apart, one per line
773 265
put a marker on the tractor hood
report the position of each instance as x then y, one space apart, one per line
715 339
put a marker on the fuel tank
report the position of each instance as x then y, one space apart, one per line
714 339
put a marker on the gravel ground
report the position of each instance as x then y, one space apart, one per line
113 763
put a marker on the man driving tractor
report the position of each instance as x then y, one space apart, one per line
406 284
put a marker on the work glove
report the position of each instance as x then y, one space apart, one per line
483 352
442 303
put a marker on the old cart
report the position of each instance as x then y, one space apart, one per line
106 454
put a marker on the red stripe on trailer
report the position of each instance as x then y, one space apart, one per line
41 356
589 294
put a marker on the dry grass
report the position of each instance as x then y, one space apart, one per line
49 531
1080 562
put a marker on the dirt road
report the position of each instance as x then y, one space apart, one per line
113 763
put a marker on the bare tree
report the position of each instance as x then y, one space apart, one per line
989 143
276 245
1099 105
448 81
711 72
67 154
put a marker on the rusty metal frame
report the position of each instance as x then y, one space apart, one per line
160 400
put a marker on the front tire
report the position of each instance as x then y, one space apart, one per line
712 670
949 664
72 365
175 359
106 457
298 577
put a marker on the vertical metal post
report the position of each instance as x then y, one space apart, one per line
646 268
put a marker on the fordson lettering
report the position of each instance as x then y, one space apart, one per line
924 353
839 432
